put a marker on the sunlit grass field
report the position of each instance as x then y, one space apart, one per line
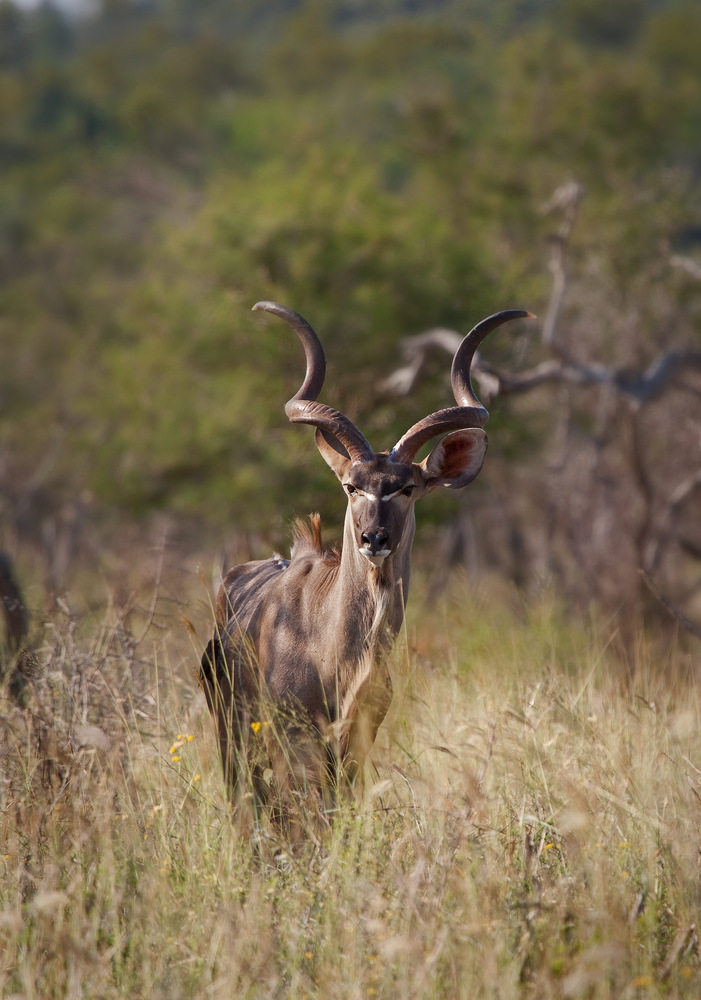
530 825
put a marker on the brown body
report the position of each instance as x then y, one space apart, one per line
302 643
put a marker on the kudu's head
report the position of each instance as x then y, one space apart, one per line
382 487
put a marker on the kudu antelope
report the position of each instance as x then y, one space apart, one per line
307 638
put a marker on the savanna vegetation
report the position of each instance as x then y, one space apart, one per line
531 824
530 828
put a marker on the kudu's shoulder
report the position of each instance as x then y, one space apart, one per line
243 584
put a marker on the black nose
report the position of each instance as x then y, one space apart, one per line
376 541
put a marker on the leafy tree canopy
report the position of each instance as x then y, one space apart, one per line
378 166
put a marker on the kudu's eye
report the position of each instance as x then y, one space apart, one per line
350 489
407 491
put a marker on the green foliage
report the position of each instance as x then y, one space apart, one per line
380 168
613 24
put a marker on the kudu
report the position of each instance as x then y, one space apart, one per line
306 638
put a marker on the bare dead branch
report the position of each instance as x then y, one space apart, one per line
637 388
687 264
667 604
566 199
677 499
619 433
648 386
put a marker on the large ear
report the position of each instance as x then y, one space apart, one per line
456 460
333 453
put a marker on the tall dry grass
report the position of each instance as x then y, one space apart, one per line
530 826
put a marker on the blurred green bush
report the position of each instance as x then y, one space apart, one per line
378 167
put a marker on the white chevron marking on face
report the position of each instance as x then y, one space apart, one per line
373 496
